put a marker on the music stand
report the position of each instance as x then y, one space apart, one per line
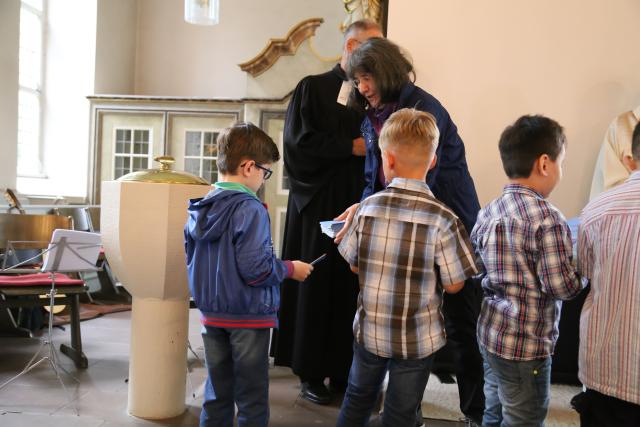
69 251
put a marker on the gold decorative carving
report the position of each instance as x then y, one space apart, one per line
278 47
362 9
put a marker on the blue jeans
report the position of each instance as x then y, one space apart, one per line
516 393
238 366
407 380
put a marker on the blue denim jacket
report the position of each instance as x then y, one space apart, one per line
449 180
234 276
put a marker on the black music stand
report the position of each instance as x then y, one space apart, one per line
69 251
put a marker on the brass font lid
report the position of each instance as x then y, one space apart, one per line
164 175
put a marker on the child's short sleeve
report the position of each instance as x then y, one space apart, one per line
454 255
348 247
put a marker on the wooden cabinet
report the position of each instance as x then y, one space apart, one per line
127 132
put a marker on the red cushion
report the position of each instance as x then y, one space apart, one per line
38 279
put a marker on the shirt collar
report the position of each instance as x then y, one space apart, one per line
236 186
519 188
636 112
410 184
340 72
635 175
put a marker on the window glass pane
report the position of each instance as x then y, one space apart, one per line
192 143
139 163
141 136
36 4
209 170
121 166
28 133
192 166
141 142
141 148
123 138
210 148
30 51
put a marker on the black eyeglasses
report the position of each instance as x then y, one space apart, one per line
267 172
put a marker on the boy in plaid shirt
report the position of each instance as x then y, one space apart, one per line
525 258
406 247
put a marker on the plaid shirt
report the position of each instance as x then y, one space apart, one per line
407 245
525 256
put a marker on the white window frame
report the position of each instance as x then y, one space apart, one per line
280 169
201 157
281 218
39 93
131 155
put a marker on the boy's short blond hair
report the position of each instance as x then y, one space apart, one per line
411 130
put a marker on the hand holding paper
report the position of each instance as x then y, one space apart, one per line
347 216
331 228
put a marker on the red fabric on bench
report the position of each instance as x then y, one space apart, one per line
39 279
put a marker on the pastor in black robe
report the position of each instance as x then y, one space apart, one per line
316 316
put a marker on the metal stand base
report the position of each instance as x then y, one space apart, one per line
50 356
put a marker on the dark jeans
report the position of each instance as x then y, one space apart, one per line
517 392
461 311
238 366
599 410
407 381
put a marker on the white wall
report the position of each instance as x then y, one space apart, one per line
489 62
115 46
179 59
9 38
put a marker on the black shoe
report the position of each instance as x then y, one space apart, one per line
337 386
316 392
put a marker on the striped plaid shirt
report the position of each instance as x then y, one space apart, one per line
524 252
609 255
407 245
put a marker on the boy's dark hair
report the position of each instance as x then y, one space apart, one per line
386 63
522 143
635 143
244 140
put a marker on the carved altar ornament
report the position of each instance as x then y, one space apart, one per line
362 9
278 47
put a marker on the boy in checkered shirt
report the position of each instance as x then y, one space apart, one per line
524 245
407 247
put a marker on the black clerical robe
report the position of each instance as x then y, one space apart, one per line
315 334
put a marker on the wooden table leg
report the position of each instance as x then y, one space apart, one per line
75 351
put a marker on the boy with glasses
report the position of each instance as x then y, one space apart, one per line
234 278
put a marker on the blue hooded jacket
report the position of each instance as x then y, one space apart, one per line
234 276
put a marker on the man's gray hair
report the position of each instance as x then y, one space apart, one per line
360 26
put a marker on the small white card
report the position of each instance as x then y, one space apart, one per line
343 95
331 228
